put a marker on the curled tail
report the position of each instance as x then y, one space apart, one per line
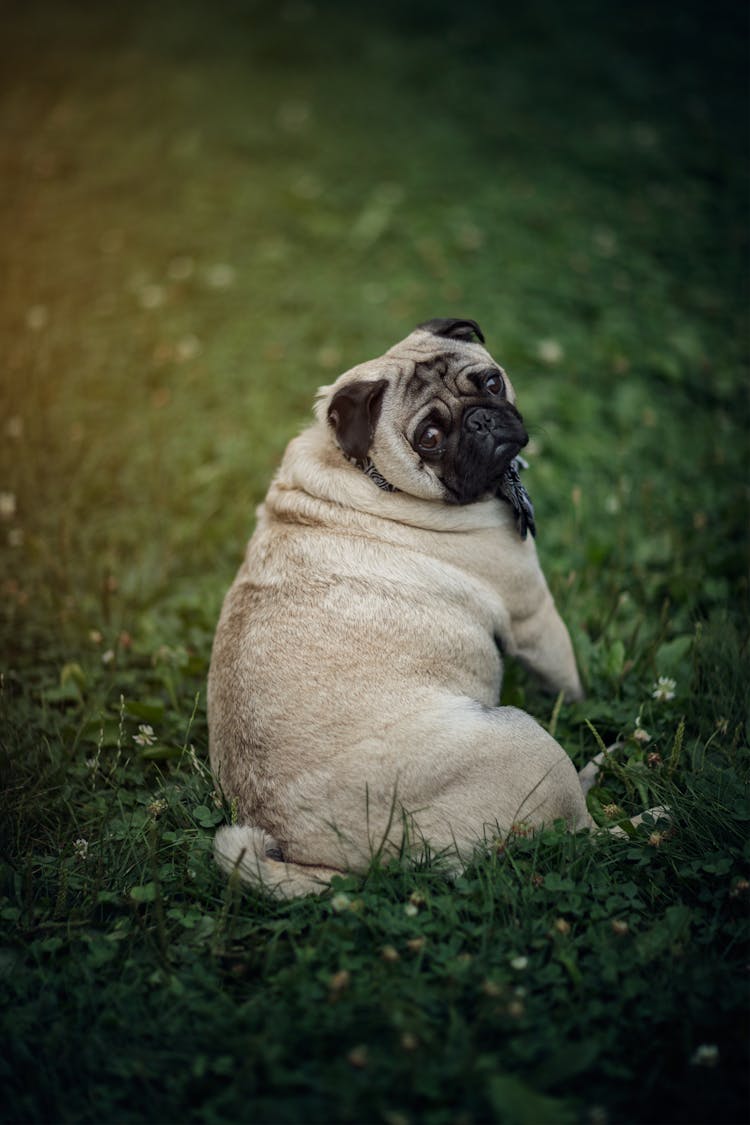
257 859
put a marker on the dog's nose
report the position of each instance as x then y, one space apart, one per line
479 420
500 434
499 425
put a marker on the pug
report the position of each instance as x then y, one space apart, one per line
353 692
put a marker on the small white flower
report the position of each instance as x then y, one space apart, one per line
108 656
145 736
81 848
519 963
340 902
180 268
293 116
151 296
410 909
157 806
37 317
187 348
220 276
7 505
549 351
639 734
664 689
605 241
705 1055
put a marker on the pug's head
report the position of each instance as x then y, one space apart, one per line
435 416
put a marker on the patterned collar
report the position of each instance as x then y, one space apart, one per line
370 471
510 489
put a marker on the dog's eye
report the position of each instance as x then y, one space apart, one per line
493 383
431 439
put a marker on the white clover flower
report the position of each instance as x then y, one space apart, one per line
220 276
293 116
664 689
180 268
605 241
157 806
108 656
37 317
410 909
187 348
145 736
81 848
340 902
641 735
519 963
705 1055
151 296
549 351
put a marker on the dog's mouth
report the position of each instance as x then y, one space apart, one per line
470 490
489 443
505 453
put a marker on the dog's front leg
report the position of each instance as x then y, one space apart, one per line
542 643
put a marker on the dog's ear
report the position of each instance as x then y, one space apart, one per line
453 329
353 412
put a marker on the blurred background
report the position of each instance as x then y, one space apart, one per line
208 211
211 209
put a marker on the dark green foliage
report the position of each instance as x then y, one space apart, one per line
211 211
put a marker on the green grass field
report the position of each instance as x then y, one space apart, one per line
209 211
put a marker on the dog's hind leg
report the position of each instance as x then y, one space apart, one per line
257 859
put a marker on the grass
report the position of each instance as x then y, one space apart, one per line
211 212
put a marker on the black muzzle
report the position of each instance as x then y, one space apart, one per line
489 440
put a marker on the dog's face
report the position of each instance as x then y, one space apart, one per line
435 415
